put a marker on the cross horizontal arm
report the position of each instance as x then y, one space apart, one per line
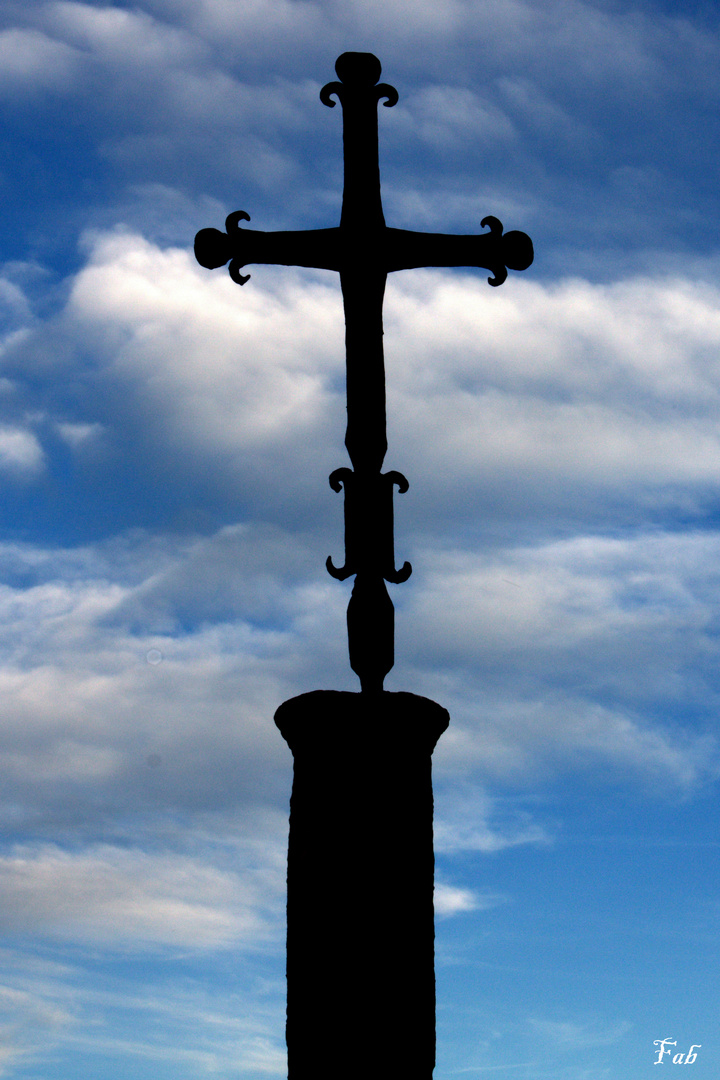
406 250
387 249
315 248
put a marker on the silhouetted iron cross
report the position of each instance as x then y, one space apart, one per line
364 250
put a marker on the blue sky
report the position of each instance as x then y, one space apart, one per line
165 443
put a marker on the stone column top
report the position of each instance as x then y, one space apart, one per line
374 721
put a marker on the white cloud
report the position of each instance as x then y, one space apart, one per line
449 117
576 1035
240 628
580 630
565 41
466 819
451 900
268 23
527 396
79 436
571 657
590 650
543 389
51 1009
524 100
617 597
219 369
126 898
29 1015
113 35
13 301
220 50
485 387
30 59
583 646
444 210
21 454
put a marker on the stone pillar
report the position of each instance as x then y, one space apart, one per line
360 939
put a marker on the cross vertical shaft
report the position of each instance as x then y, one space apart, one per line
362 276
368 494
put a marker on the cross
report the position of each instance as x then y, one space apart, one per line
364 251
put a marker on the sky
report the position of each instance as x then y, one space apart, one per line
165 516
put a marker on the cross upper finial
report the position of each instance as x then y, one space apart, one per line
357 71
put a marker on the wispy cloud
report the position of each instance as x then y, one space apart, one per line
128 898
570 1034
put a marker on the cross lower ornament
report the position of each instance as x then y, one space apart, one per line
363 250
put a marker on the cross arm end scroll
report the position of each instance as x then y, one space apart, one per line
214 248
317 248
492 250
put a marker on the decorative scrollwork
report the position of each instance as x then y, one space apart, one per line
232 220
213 248
384 90
396 577
496 229
358 73
337 479
494 224
232 227
368 525
515 249
396 477
327 90
387 91
339 573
